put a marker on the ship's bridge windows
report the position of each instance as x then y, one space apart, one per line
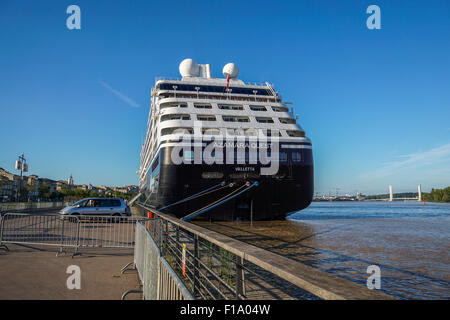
175 117
173 105
202 117
287 120
258 108
235 119
295 133
296 156
202 106
264 120
218 89
280 109
178 130
211 131
230 107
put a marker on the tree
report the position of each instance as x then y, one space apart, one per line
44 190
438 195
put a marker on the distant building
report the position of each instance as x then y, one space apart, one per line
9 184
60 185
51 183
70 181
33 186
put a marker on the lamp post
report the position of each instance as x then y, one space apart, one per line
21 165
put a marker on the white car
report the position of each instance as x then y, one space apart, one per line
97 207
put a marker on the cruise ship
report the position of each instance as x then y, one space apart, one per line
223 149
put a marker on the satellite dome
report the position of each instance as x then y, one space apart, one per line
231 70
189 68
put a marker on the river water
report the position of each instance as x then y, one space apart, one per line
408 241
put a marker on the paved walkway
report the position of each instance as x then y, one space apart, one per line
33 272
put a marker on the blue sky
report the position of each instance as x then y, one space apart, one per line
376 103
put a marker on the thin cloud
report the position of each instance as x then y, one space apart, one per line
429 159
120 95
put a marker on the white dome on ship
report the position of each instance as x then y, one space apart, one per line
231 70
189 68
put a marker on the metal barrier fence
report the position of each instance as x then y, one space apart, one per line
68 231
214 266
207 270
159 281
31 205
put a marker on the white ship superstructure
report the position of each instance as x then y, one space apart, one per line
225 107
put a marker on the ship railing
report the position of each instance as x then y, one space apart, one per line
256 84
159 280
214 266
224 96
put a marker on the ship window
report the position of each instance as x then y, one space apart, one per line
206 118
155 164
173 105
175 117
283 156
219 89
296 156
271 132
203 106
230 107
295 133
251 132
211 131
235 132
287 120
167 131
264 120
235 119
280 109
258 108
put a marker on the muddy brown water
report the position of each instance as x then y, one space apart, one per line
409 242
